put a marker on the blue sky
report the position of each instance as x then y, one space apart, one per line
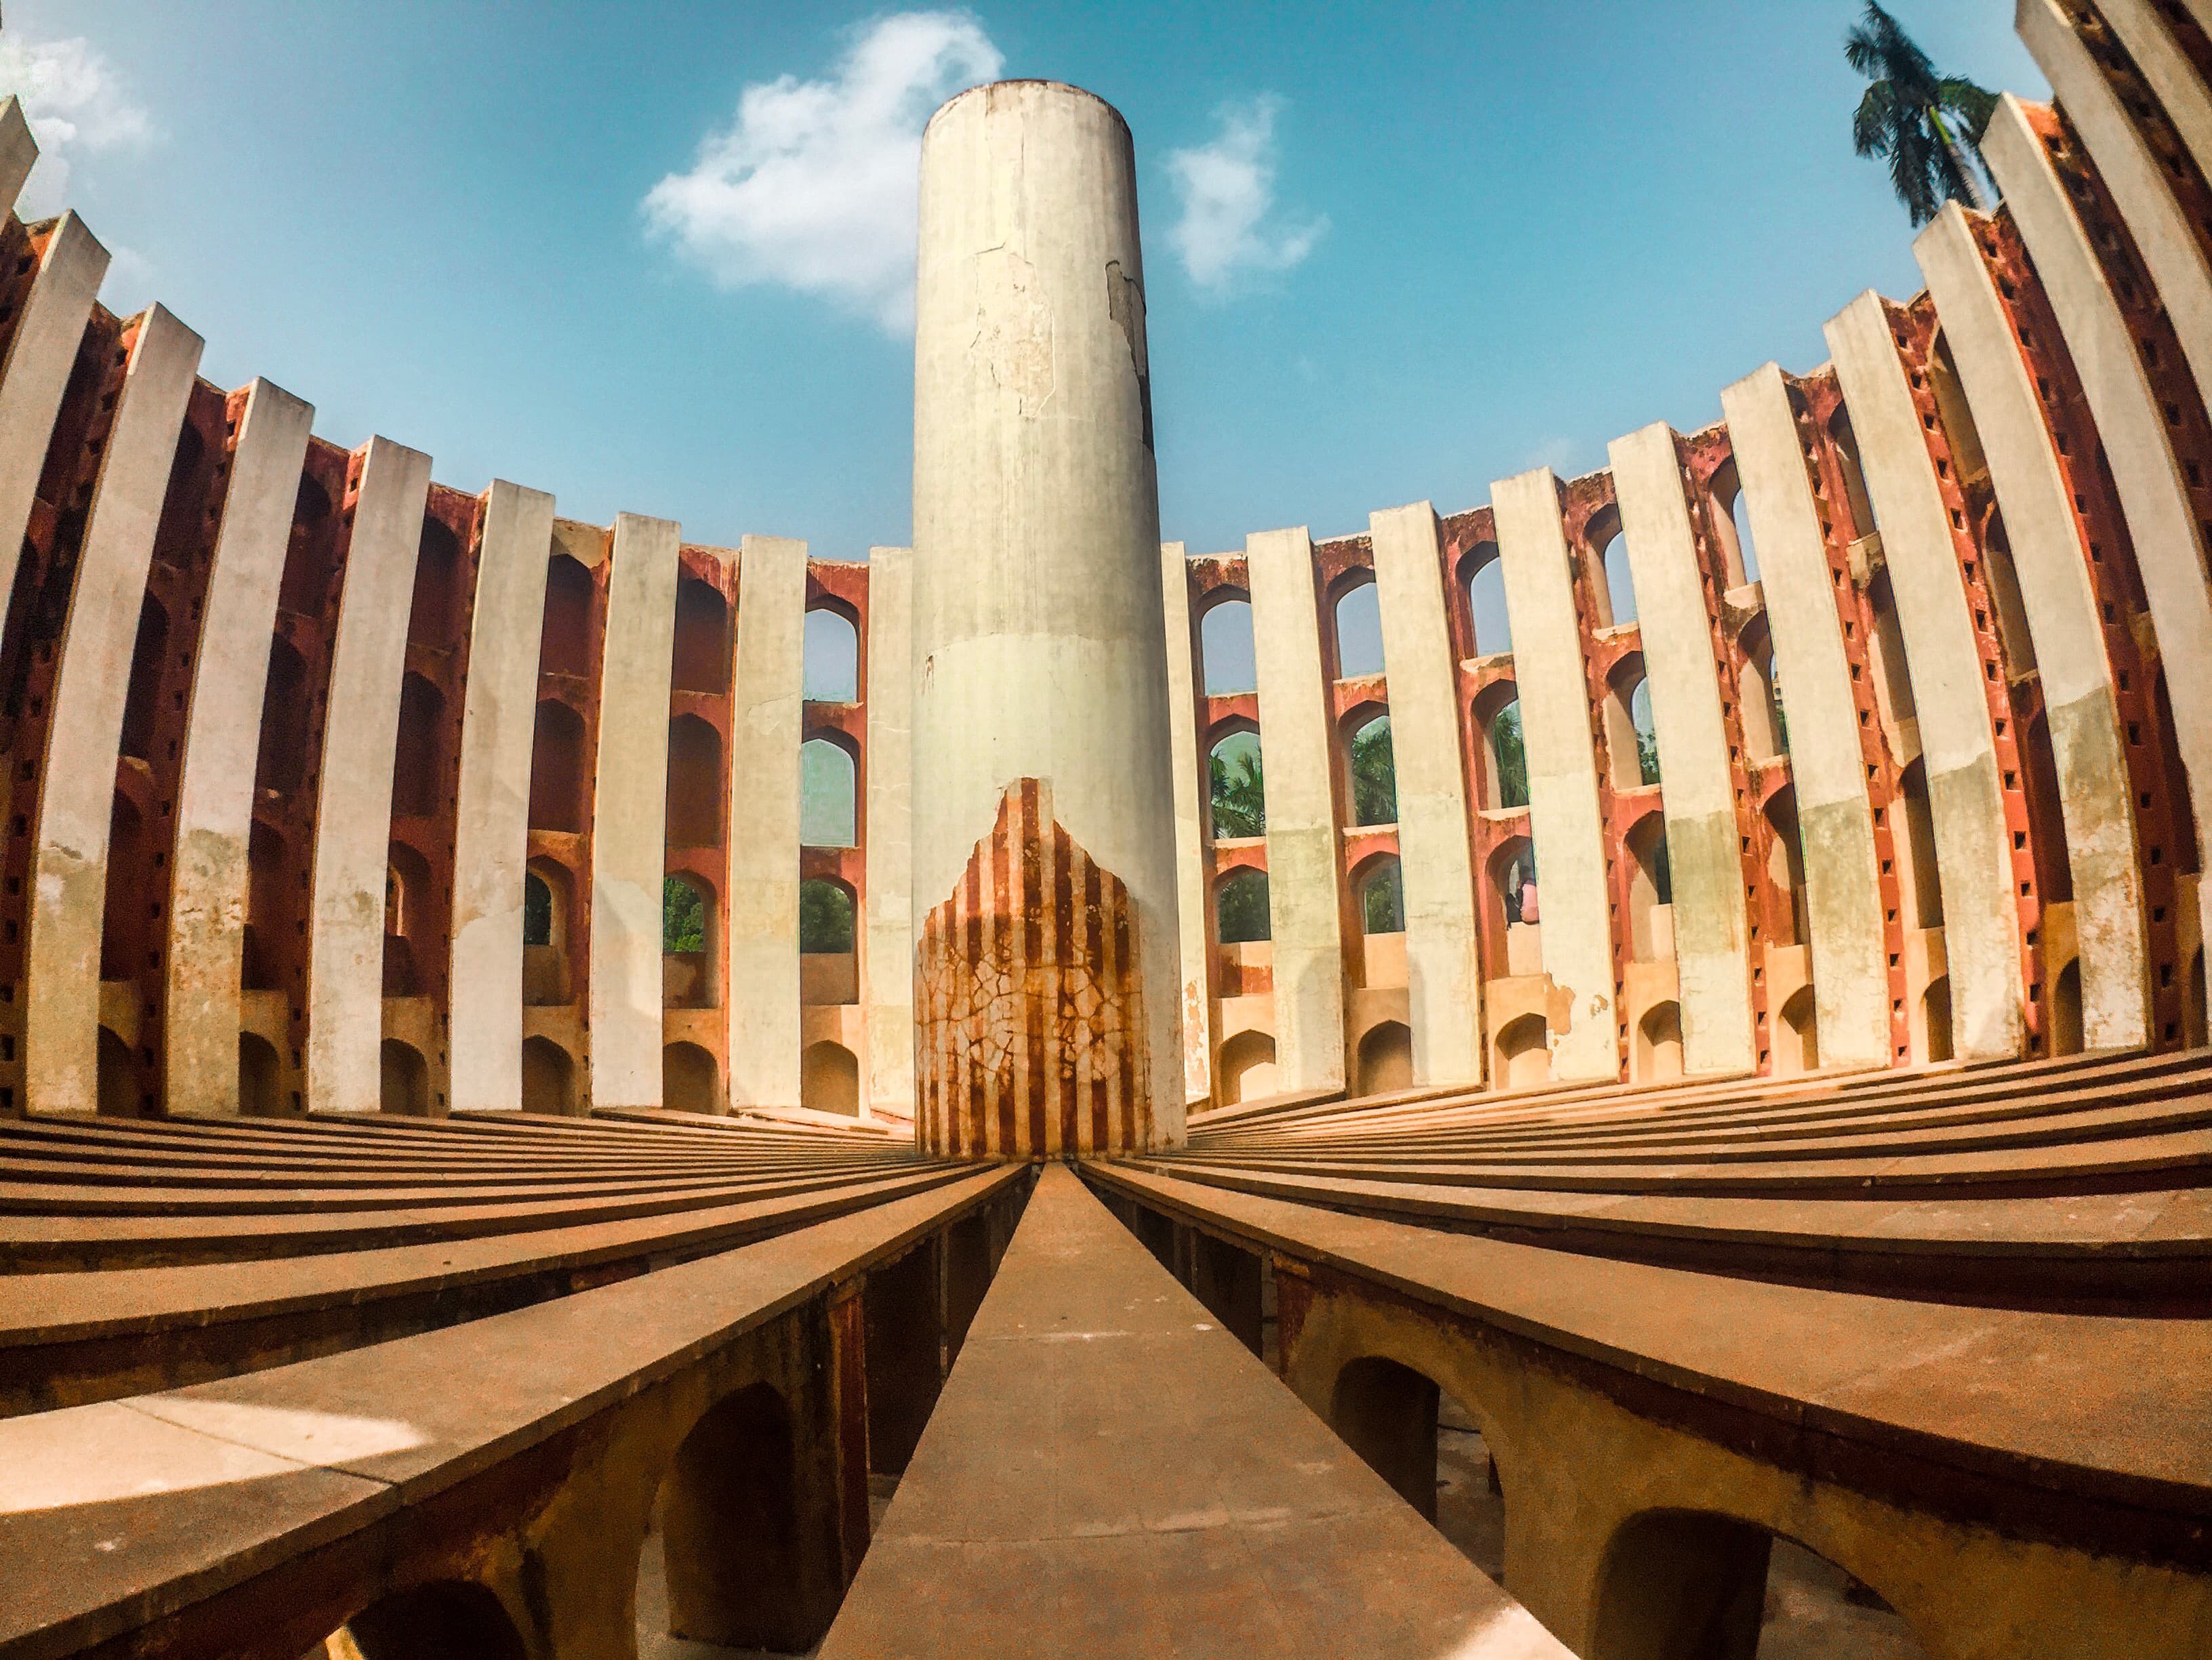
1434 245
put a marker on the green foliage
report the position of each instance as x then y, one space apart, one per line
1240 796
1383 900
1647 754
1374 775
683 916
1241 908
825 916
1510 756
1927 126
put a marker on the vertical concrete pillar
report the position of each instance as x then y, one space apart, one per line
2093 785
1305 915
1835 819
222 737
1436 862
887 956
491 842
61 1014
1564 818
629 814
1712 932
19 152
1040 656
766 716
36 370
1192 788
1974 855
2135 176
2175 80
353 797
2169 541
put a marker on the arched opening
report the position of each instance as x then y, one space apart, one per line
1847 463
124 902
1360 631
1731 525
831 666
560 788
1936 1010
1246 1068
1650 891
1387 1414
116 1080
1893 678
825 918
1523 1052
2183 852
1238 788
1675 1585
830 1079
281 760
564 643
431 619
453 1619
690 1080
2066 1037
1505 772
260 1075
732 1563
549 1077
1483 573
1659 1043
258 968
699 658
547 906
828 806
687 943
1615 591
1224 647
406 895
404 1078
2046 820
1382 890
141 704
1764 734
1374 773
1513 874
1785 868
1240 907
694 783
416 773
1925 883
1386 1058
1632 738
307 550
1797 1044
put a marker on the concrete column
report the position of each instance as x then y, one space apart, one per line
629 814
1305 914
1835 820
2136 176
1193 787
887 957
35 372
2093 785
2169 543
1974 850
1704 859
1039 647
1564 819
491 840
19 152
1436 862
353 799
2173 79
61 1014
766 722
222 739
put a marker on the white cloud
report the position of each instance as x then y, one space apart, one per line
813 184
78 105
1227 189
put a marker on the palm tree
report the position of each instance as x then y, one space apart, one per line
1929 125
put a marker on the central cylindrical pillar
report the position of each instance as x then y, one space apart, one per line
1047 979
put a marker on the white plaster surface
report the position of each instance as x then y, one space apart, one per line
353 806
492 817
18 151
887 946
222 738
629 814
766 718
1193 790
2096 793
1843 892
1973 844
1443 967
2173 79
1564 817
1703 840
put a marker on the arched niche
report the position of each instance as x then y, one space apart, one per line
1245 1068
1237 791
829 807
1240 907
1224 645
